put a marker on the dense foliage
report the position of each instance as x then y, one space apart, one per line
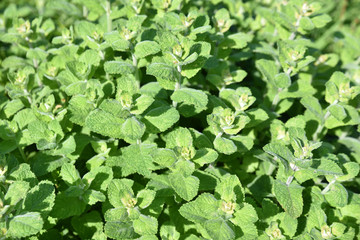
179 119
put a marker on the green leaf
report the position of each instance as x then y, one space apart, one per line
23 172
40 198
337 196
306 24
25 225
268 69
202 49
190 59
90 57
180 137
41 133
165 157
352 118
88 224
205 156
245 218
66 147
229 189
239 40
114 107
338 229
120 191
257 116
313 105
116 42
145 198
133 129
288 224
352 170
162 71
92 196
338 112
118 67
78 69
243 143
200 210
44 163
316 218
321 20
24 117
184 167
219 229
12 107
16 191
126 83
62 209
69 173
207 180
84 28
282 80
104 123
185 187
168 232
247 214
193 101
300 88
145 225
146 48
173 119
224 145
280 152
13 62
289 197
326 167
119 230
142 103
161 118
99 177
136 159
332 91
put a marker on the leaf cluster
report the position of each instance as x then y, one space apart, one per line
179 119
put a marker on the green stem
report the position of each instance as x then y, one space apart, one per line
322 124
276 100
177 86
85 12
293 34
135 63
291 178
22 154
108 18
178 83
327 188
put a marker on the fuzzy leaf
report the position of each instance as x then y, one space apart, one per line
25 225
118 67
146 48
162 118
104 123
289 197
186 187
193 101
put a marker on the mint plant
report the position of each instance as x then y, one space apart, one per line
171 119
